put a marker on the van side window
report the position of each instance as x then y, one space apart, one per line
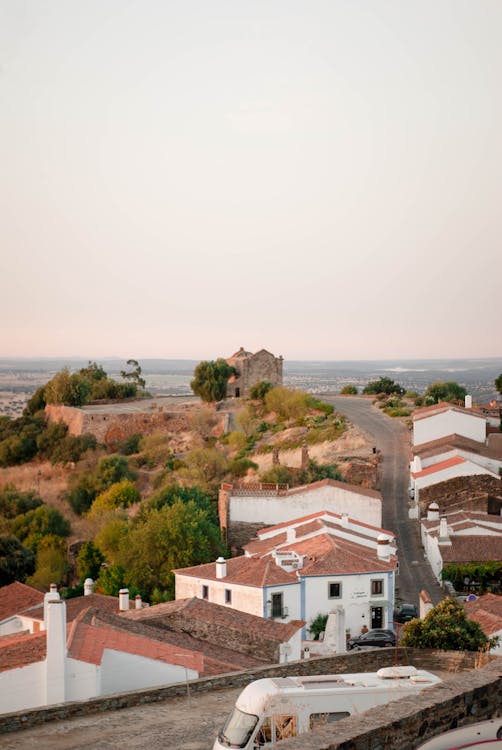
318 720
275 728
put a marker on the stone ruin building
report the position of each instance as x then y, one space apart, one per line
251 369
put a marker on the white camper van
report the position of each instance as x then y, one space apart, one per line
277 708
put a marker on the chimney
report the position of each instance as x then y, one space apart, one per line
124 600
88 587
221 568
443 531
383 548
468 401
291 534
416 465
345 519
55 662
50 596
138 602
433 512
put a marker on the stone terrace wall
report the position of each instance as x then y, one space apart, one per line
110 428
462 493
482 687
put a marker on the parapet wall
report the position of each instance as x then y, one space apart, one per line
473 695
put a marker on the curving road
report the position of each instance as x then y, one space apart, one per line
391 437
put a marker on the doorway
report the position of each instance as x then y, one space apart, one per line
376 617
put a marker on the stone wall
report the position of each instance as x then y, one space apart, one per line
477 492
111 428
477 694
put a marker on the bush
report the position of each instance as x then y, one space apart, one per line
318 626
259 390
349 390
239 467
16 561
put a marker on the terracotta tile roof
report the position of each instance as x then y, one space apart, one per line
487 610
441 466
226 617
80 603
21 649
327 514
462 518
15 597
475 548
335 556
427 411
215 661
246 571
451 442
356 488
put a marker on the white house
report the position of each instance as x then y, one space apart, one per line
301 568
460 537
271 504
488 456
438 421
450 468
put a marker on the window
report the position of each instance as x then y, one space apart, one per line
334 590
319 720
205 592
228 596
276 605
377 587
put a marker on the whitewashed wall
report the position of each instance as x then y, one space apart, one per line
492 464
291 600
273 510
244 598
121 672
449 423
22 688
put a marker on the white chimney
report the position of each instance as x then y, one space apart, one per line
416 465
433 512
138 602
383 547
291 534
443 531
345 519
221 568
468 401
124 600
88 587
50 596
55 663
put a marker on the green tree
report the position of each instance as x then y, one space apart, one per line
33 526
112 469
445 391
14 503
349 390
176 536
89 560
258 391
173 493
383 385
52 563
134 375
498 383
110 580
210 380
16 561
119 495
66 388
204 467
446 627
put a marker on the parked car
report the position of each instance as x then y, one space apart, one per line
472 736
405 613
373 638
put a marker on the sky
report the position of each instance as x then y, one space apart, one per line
321 178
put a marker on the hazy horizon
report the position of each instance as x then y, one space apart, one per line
321 179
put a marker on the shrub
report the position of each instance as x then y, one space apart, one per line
259 390
239 467
318 626
349 390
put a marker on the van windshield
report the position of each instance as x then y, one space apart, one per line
238 729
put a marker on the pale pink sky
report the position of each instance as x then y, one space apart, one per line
322 178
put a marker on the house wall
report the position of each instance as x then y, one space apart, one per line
121 671
272 509
461 470
251 370
291 598
356 599
449 423
22 688
244 598
492 464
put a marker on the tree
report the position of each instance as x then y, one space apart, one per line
36 524
498 383
446 627
89 560
16 561
258 391
383 385
173 493
210 380
134 376
14 503
349 390
52 563
445 391
66 388
176 536
205 467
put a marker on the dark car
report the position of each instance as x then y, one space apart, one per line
405 613
373 638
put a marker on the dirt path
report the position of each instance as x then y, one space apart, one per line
187 724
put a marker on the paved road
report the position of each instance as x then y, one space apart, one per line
391 437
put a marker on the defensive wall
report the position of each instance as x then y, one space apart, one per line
470 694
112 426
